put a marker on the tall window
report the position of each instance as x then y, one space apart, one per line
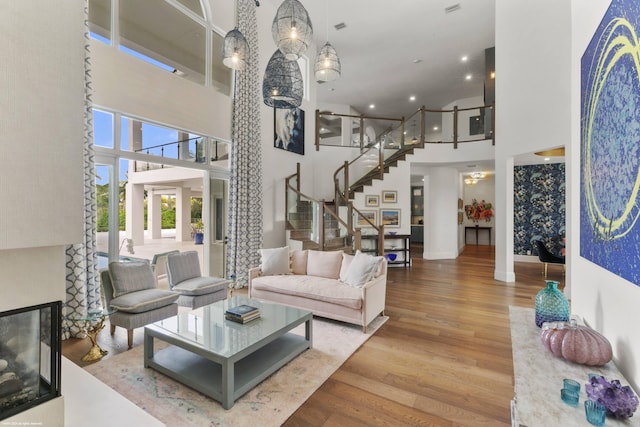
170 34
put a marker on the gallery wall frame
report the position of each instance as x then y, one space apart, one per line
390 218
371 200
389 196
372 216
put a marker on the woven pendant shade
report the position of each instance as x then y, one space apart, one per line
327 67
282 86
235 50
292 30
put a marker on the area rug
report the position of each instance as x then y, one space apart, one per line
268 404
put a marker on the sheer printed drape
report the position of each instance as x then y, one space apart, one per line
245 189
83 289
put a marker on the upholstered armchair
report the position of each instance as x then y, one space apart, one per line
130 288
195 290
547 257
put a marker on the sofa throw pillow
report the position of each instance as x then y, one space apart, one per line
362 269
299 262
324 264
346 262
275 261
127 277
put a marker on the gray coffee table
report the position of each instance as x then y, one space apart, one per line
223 359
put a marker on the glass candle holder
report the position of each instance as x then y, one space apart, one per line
571 385
570 397
595 412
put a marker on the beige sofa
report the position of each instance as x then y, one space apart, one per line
334 285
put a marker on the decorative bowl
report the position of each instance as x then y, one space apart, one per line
392 257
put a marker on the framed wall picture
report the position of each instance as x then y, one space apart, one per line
371 200
288 133
390 218
372 216
389 196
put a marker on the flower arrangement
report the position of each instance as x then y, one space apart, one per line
619 400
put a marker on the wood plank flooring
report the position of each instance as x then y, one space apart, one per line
443 358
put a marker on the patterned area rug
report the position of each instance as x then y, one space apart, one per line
270 403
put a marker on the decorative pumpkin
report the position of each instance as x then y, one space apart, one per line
576 343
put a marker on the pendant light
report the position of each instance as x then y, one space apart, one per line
282 86
292 29
235 50
327 66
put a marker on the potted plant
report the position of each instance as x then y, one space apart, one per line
198 235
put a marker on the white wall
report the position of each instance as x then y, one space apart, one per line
41 178
533 82
607 302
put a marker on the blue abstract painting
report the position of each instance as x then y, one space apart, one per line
610 143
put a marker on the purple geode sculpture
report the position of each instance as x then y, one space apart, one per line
619 400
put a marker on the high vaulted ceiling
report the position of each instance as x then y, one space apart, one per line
393 50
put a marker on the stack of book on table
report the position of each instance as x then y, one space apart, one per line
242 313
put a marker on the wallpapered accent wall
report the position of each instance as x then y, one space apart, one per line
539 207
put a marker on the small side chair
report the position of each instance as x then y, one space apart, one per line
130 288
547 257
195 290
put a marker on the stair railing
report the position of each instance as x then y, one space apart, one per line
321 209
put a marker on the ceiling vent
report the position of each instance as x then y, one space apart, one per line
452 8
340 26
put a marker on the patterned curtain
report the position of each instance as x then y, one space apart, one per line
245 192
83 291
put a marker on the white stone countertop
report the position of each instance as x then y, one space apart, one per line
538 379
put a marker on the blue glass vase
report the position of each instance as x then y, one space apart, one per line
551 305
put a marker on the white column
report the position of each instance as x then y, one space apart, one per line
183 214
134 222
154 215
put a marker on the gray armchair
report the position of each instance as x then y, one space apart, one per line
184 277
130 288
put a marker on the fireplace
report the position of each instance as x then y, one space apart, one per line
30 357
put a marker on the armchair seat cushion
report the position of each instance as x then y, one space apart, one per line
144 300
200 286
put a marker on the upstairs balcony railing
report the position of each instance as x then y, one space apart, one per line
197 150
383 140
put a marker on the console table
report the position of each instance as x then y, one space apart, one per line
538 376
477 228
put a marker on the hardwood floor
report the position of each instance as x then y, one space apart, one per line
442 359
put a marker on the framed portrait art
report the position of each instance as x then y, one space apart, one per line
371 200
389 196
288 132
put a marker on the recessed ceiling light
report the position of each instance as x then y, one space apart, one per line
412 98
464 58
546 159
435 128
417 61
372 106
467 77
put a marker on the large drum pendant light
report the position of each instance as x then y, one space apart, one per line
282 86
292 29
235 50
